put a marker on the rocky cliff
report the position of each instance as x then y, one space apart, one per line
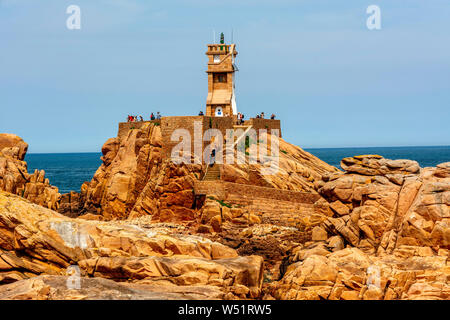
135 180
14 177
379 229
144 259
388 237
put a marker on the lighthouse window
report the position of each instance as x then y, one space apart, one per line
220 77
216 58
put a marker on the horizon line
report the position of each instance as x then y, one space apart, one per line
304 148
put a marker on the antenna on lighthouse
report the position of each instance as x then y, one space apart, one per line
232 35
214 36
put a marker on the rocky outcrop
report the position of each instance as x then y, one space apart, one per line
14 177
297 170
136 180
349 274
13 146
139 230
48 287
387 238
36 241
133 180
380 205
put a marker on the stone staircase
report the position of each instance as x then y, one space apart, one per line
212 173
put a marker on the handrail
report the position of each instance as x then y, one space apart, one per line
206 172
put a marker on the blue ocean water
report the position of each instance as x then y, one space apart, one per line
425 156
68 171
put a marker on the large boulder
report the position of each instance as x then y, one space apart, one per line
51 287
13 146
134 180
14 177
381 204
350 274
36 241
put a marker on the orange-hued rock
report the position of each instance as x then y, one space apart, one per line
381 204
14 177
13 146
350 274
297 170
134 180
394 218
147 228
36 241
51 287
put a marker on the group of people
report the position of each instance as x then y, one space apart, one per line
134 118
131 118
261 116
240 117
158 116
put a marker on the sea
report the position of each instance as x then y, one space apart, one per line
68 171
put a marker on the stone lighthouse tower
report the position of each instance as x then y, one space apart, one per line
221 68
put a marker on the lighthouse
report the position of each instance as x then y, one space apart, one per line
221 100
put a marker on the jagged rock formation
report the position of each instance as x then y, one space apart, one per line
133 180
35 241
378 230
350 274
297 170
14 177
46 287
394 220
136 180
382 204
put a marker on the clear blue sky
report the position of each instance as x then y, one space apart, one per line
331 81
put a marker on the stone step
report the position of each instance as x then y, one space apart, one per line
213 173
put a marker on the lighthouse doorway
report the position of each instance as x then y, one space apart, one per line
219 112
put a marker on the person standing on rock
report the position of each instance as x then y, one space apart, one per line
158 116
213 157
152 117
